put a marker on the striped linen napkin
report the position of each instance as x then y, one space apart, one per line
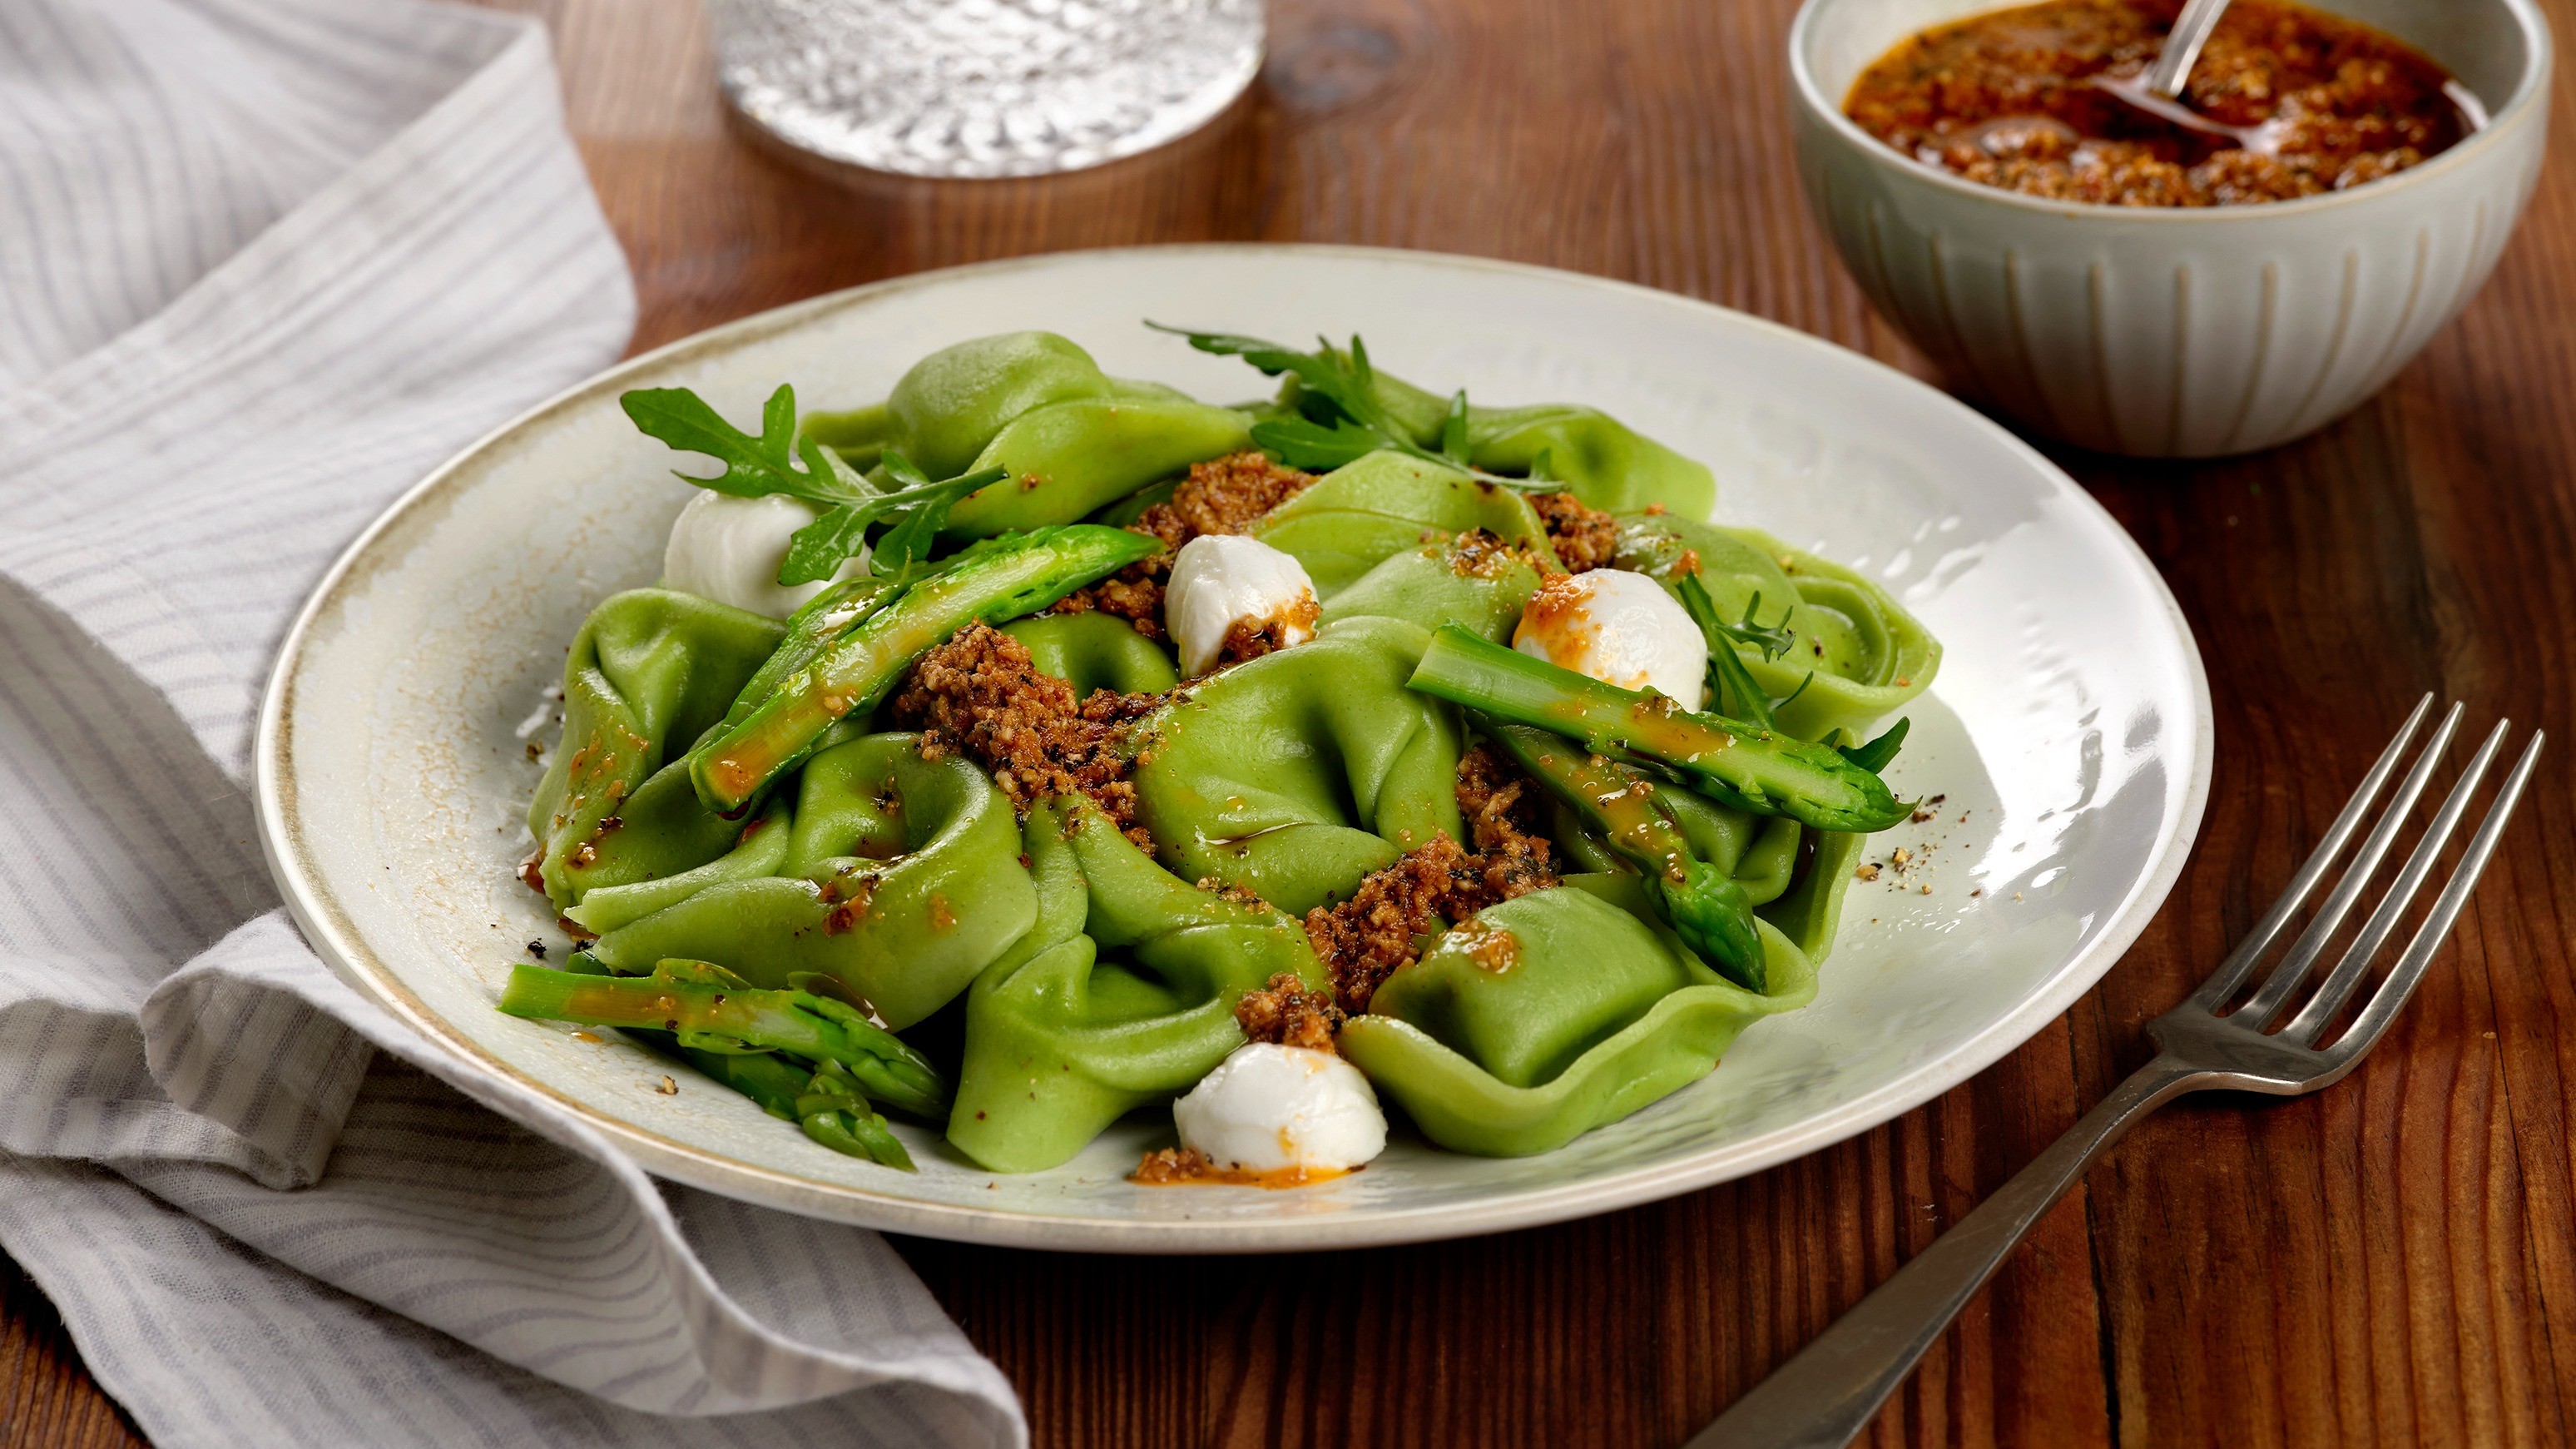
262 264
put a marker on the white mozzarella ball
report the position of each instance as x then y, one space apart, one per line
1619 627
1220 580
728 549
1270 1108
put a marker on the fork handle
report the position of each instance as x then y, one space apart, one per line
1824 1397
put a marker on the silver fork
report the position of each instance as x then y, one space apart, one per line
1825 1396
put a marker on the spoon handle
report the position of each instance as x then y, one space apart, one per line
2182 46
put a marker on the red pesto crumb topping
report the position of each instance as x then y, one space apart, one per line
1477 554
1555 613
1223 496
982 694
1293 624
1170 1165
1288 1012
1491 948
1584 537
849 895
1188 1167
1363 940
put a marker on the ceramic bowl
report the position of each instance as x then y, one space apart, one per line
2174 332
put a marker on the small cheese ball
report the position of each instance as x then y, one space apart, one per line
1220 580
1620 628
728 549
1275 1108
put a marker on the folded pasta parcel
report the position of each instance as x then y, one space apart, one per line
1035 748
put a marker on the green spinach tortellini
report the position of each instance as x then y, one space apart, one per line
1121 995
1355 517
1555 1013
1868 655
946 409
1297 774
1067 459
1598 458
1440 583
650 671
897 881
1072 437
1060 906
1793 876
1095 651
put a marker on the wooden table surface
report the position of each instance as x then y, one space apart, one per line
2392 1262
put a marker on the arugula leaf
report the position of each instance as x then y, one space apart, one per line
1343 417
1773 641
846 502
753 466
1323 373
1313 446
909 541
1453 428
1875 755
903 470
915 515
816 551
1734 685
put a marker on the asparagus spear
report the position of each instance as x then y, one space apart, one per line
714 1015
1705 906
822 1098
823 620
855 673
772 1080
825 1102
833 1112
1874 756
782 1086
1729 761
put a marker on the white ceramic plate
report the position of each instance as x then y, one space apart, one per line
2069 732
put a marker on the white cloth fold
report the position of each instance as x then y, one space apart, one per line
262 264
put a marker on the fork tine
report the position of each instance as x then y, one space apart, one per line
2286 977
2348 971
2232 972
2402 979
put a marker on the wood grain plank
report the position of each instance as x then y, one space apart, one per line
47 1399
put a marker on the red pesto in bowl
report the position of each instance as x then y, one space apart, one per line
2004 99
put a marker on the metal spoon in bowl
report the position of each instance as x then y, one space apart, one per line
2161 84
2154 91
2157 91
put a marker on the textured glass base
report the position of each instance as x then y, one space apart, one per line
983 87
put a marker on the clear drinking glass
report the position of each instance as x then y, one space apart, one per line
983 87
